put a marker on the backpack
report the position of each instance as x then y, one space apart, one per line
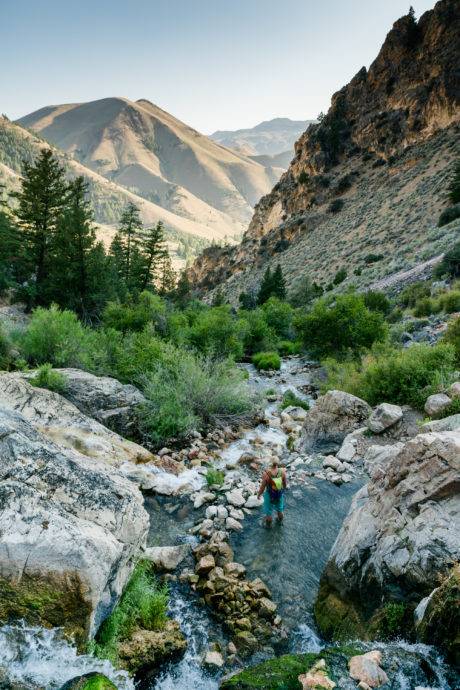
275 486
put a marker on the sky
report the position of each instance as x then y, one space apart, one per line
215 64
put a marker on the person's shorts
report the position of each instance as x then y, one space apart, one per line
270 506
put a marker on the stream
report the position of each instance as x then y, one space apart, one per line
289 558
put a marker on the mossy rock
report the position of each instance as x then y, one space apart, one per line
441 623
90 681
145 651
337 619
50 601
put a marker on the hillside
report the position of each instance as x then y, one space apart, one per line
367 184
268 138
148 151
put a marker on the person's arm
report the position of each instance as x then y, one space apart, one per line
263 485
284 479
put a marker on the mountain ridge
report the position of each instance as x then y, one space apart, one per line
268 138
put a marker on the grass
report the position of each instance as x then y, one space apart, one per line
143 604
290 398
214 477
266 360
46 377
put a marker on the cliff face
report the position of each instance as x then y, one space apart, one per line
375 165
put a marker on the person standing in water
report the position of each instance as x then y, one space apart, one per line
273 487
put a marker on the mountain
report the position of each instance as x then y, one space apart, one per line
267 138
142 148
367 184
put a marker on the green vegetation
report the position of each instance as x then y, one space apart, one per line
336 205
214 477
303 177
290 398
143 604
454 186
448 215
452 337
265 361
340 276
450 265
46 377
272 285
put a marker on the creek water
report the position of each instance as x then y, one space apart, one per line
289 558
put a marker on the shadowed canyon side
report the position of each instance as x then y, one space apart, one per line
139 146
369 177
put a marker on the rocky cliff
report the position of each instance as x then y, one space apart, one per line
369 179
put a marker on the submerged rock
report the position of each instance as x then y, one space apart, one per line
317 677
399 538
146 650
71 530
365 668
90 681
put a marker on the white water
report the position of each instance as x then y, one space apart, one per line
43 658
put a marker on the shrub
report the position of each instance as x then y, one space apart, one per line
377 301
278 316
343 184
186 392
453 408
450 301
134 316
425 306
290 398
373 258
56 337
216 332
340 276
450 265
303 177
448 215
266 360
347 326
47 378
304 291
335 206
288 347
452 337
409 296
5 350
214 477
404 377
143 604
258 335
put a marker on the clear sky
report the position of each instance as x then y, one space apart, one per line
215 64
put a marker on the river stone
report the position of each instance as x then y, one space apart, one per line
145 650
267 607
213 659
384 416
333 463
436 404
365 668
348 451
64 424
234 525
333 416
253 502
167 557
450 423
317 677
398 539
235 498
203 497
233 568
454 390
296 413
205 564
71 527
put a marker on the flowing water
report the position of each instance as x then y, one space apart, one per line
289 558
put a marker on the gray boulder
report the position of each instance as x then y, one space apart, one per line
400 537
450 423
436 404
63 423
334 415
384 416
71 528
167 557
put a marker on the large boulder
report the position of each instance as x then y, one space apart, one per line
384 416
436 404
334 415
400 537
71 529
63 423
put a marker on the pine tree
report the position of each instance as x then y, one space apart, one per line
278 288
41 203
413 32
265 290
183 289
153 250
129 233
73 242
168 278
454 186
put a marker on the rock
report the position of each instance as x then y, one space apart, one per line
89 681
146 650
235 498
236 569
213 660
167 557
376 458
298 414
203 497
163 483
247 459
331 461
436 404
253 502
211 512
231 648
384 416
398 539
365 668
349 449
267 607
233 524
333 416
205 564
71 530
451 423
454 390
245 642
317 677
64 424
222 512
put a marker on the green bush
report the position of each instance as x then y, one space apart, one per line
304 291
186 392
216 332
303 177
46 377
290 398
134 316
258 335
288 347
373 258
335 206
412 293
452 337
214 477
377 301
266 360
56 337
404 377
453 408
346 326
450 265
143 604
340 276
278 316
450 301
448 215
425 306
5 350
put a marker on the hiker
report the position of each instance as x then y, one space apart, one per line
272 487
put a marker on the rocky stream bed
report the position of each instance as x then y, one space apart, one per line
243 594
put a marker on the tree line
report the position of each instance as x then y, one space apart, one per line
49 252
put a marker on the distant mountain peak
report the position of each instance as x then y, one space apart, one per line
268 138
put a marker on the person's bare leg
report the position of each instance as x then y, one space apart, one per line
280 517
268 522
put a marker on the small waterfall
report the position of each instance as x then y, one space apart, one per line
41 658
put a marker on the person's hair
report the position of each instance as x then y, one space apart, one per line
275 463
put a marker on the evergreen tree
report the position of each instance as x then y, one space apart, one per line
278 288
454 187
265 290
11 259
167 280
219 298
153 250
41 203
413 32
129 233
183 289
247 300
